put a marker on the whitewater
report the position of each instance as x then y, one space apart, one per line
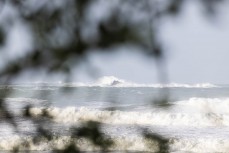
195 120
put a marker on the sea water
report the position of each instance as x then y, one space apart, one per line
196 120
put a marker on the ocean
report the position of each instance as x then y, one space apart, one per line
195 119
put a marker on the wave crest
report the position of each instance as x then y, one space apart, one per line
120 144
111 81
74 115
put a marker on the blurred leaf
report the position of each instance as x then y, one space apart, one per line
45 133
71 148
6 115
211 6
113 32
81 6
91 130
15 150
2 36
174 6
26 111
163 146
162 103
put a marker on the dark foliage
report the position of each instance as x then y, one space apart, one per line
55 54
163 146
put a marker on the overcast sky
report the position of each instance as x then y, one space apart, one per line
197 51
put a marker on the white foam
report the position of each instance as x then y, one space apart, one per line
23 99
199 145
111 81
216 105
76 115
120 144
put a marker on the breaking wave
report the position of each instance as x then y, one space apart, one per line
216 105
120 144
111 81
211 114
106 81
58 143
208 112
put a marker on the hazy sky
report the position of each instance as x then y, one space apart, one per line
197 50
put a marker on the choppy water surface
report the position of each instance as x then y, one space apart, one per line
197 121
